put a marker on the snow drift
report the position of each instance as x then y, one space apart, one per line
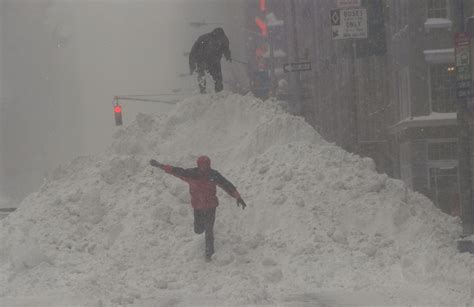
109 227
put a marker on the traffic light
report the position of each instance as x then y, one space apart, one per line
260 77
262 25
118 114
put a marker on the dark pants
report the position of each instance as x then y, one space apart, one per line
204 222
216 72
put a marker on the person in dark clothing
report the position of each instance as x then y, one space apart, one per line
202 182
205 56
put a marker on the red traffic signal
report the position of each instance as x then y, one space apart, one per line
262 26
118 115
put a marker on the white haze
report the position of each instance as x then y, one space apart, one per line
63 61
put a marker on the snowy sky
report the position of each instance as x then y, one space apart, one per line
66 60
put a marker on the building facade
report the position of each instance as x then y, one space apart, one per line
424 127
392 96
344 94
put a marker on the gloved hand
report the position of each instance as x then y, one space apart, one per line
156 163
240 202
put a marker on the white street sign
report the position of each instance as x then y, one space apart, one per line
349 23
301 66
348 3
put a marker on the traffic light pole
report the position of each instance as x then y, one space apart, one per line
146 100
297 80
272 63
355 99
464 117
118 107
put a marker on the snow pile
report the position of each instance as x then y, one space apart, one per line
112 228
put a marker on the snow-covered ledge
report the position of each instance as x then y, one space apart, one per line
434 119
438 56
438 23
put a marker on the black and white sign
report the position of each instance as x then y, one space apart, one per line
301 66
349 23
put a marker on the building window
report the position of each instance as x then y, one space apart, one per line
404 12
405 164
404 92
443 174
437 9
443 88
438 151
444 188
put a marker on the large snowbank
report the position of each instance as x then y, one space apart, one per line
111 228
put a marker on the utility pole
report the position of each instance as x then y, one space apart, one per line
271 46
316 84
464 149
297 83
355 100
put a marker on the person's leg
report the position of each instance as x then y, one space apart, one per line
210 218
201 79
216 73
199 221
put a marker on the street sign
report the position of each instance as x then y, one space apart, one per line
349 23
348 3
462 50
301 66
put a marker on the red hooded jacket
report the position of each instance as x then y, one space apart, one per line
202 183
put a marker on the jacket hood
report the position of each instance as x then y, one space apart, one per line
204 162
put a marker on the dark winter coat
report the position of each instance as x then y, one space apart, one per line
207 51
202 185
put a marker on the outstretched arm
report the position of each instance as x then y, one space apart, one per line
181 173
230 189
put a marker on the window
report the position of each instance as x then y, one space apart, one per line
443 173
398 15
443 182
404 12
442 151
437 9
404 92
405 165
443 88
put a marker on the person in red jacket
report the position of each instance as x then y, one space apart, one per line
202 182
